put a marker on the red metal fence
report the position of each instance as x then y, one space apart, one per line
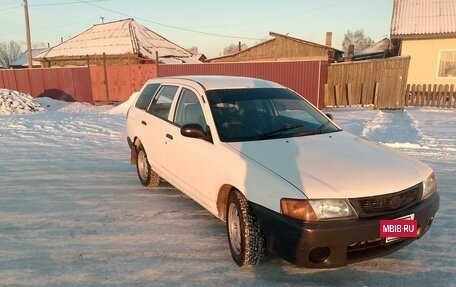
97 84
305 77
115 83
65 83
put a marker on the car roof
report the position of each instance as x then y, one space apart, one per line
226 82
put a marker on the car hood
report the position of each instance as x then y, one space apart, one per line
335 165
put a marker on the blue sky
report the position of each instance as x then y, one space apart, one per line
208 25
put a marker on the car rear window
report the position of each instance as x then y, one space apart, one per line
161 104
146 96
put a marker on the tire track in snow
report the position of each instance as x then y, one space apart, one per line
394 128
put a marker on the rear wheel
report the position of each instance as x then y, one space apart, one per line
146 174
246 241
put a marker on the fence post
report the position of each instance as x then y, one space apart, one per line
434 96
407 95
419 95
2 81
106 78
326 96
348 93
336 94
375 98
446 96
157 63
439 96
361 96
452 97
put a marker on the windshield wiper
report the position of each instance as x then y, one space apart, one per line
320 128
279 131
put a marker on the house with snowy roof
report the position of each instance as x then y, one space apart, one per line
119 42
22 61
425 30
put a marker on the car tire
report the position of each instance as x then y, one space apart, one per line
146 174
245 238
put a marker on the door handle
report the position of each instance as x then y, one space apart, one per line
144 123
169 136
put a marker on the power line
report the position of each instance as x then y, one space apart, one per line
48 4
10 8
167 25
63 3
278 16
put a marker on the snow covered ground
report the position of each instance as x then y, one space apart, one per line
73 213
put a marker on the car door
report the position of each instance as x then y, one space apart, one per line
190 160
156 122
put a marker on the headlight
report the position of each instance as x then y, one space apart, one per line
309 210
429 186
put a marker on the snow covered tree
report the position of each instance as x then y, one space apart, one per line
9 52
357 38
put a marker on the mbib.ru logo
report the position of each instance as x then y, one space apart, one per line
398 228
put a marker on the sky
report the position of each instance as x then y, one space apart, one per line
208 25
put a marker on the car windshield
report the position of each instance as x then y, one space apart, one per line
264 113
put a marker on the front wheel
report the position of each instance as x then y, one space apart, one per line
146 174
246 241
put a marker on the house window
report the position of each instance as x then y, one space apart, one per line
447 64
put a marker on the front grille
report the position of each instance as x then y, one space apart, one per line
383 204
373 248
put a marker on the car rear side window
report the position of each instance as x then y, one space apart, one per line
189 110
161 104
146 96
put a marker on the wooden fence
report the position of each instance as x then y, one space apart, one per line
380 83
440 96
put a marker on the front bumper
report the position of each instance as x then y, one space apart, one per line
336 243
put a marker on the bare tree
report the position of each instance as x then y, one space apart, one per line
234 48
193 50
357 38
9 52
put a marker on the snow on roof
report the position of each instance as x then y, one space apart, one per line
381 46
22 61
421 17
116 38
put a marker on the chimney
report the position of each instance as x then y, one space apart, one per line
328 39
351 50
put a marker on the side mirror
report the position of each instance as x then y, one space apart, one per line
330 116
193 131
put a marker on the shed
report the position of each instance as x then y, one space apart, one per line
283 48
119 42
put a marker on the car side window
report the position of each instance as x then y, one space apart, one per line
189 109
161 104
146 96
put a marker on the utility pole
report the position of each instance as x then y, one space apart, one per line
27 30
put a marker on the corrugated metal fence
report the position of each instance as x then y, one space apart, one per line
116 83
97 84
305 77
68 83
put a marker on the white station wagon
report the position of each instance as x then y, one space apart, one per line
282 175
